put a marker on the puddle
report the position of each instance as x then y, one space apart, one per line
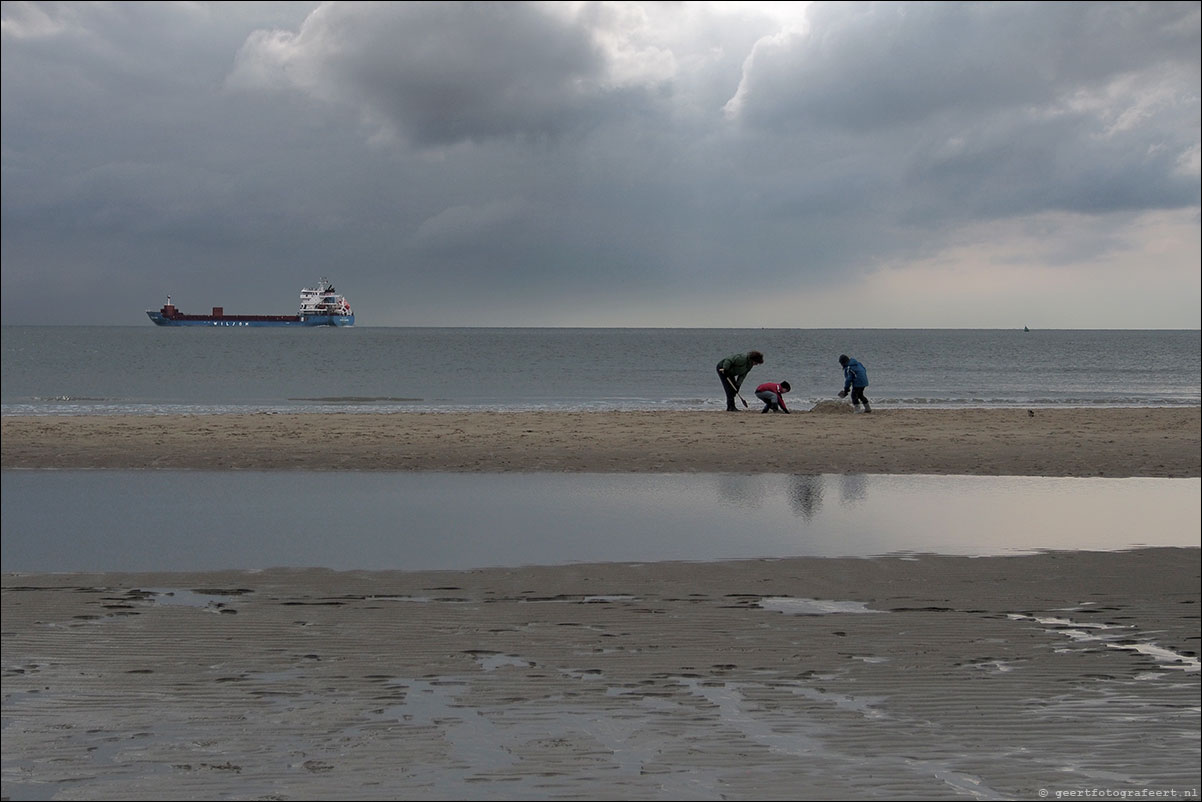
814 606
246 520
176 597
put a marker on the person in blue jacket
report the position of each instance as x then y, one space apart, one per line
855 378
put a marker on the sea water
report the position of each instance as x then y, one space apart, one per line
79 370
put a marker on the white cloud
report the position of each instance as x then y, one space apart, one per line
23 20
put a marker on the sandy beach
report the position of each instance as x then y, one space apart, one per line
1113 442
894 678
926 676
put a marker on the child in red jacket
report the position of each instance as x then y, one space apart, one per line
773 396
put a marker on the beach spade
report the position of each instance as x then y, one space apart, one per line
736 389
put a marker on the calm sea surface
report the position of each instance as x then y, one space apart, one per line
73 370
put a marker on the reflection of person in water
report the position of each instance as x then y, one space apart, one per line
853 488
805 495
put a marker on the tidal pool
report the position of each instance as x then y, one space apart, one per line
66 521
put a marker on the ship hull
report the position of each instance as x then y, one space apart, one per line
249 321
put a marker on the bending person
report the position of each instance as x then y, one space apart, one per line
733 370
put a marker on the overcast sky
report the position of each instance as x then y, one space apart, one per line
739 164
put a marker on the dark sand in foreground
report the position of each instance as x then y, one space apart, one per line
929 678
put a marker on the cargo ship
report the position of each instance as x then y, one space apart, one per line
319 306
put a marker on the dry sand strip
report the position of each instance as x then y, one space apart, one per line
1111 442
902 678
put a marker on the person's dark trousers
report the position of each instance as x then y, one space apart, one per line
729 390
857 398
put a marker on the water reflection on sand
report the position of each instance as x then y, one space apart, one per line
188 520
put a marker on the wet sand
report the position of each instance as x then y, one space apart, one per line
926 677
1014 442
923 678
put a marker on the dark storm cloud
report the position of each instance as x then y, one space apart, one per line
444 73
532 162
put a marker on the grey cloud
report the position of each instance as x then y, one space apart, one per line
970 111
445 73
444 161
875 65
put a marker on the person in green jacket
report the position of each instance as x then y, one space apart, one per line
733 370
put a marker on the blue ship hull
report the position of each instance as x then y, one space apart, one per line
246 321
